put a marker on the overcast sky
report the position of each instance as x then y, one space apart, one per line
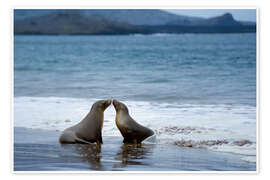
238 14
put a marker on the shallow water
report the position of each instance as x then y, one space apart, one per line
190 87
38 150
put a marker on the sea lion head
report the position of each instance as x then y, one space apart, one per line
119 106
102 104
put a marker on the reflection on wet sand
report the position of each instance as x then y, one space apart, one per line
90 153
132 154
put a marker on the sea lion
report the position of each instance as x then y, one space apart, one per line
132 131
89 129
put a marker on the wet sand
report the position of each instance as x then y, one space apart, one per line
39 150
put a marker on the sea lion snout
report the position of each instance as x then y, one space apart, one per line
107 103
102 104
115 102
119 106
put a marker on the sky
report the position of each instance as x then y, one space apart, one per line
238 14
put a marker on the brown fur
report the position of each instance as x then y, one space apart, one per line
132 131
89 129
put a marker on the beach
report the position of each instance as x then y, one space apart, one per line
197 92
39 150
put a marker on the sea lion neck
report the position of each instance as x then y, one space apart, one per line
123 112
94 108
120 108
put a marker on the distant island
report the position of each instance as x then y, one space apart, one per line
120 22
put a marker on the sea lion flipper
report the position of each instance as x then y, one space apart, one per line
126 140
99 139
79 140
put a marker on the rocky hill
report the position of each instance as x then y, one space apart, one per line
121 22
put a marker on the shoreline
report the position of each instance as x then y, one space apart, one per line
130 34
39 150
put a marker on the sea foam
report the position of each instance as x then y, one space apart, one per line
188 125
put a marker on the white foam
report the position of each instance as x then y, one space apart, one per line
155 34
249 159
171 122
151 140
56 113
249 150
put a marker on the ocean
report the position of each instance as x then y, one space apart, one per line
195 90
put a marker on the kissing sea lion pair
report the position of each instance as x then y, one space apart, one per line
89 129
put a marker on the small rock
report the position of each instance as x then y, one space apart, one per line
242 142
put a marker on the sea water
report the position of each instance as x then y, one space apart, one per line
196 89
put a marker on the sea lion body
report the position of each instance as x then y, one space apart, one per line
132 131
89 129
